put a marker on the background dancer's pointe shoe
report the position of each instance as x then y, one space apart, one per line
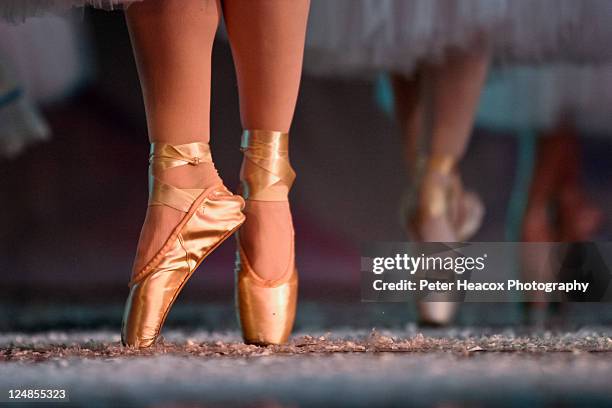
436 314
266 307
211 215
441 211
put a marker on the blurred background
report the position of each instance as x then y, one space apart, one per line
73 203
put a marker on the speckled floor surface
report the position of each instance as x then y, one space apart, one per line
435 367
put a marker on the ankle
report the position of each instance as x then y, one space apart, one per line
187 166
266 173
436 185
204 175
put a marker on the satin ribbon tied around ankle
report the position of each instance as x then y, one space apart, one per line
164 156
266 173
178 155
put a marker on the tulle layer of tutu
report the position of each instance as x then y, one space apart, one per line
17 11
45 56
536 98
361 36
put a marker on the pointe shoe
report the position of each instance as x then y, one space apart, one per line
211 216
441 211
266 308
465 210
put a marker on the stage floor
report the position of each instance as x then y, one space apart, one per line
449 367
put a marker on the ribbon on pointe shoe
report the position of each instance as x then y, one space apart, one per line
266 173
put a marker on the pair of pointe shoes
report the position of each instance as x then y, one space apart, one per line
266 309
440 210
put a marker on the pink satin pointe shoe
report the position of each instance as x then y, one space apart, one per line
210 216
439 210
266 308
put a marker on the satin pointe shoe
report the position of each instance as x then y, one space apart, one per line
466 217
432 217
266 308
211 215
466 210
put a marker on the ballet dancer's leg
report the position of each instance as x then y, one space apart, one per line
172 41
190 212
455 91
556 183
436 110
267 39
436 125
409 113
451 92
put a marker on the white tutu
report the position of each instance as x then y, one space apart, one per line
47 55
41 61
537 98
18 10
359 36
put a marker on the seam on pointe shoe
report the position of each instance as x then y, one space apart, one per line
170 304
188 275
182 244
176 292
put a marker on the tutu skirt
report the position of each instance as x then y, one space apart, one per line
18 10
47 56
360 36
536 98
41 61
